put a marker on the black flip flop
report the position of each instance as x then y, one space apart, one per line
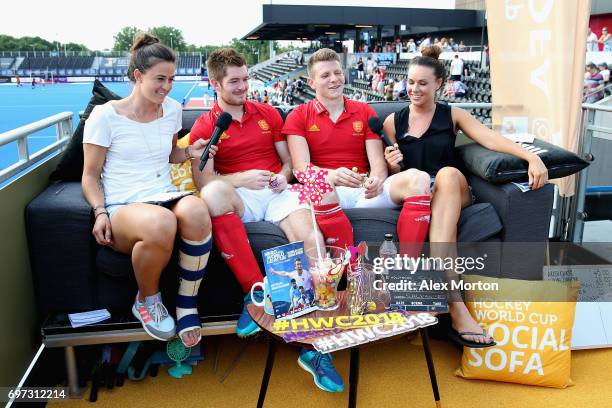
457 337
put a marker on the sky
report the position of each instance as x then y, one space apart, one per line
202 22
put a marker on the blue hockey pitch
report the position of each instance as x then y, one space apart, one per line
22 105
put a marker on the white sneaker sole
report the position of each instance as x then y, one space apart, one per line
146 329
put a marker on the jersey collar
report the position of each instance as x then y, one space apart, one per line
349 106
248 109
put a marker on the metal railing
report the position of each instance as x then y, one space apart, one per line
63 130
604 91
573 208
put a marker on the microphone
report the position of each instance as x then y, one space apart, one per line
376 126
221 126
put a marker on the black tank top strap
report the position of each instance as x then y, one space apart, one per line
400 120
448 112
442 119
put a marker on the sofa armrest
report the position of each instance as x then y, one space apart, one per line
58 223
525 216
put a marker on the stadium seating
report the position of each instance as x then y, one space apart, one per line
477 81
55 65
6 65
189 65
38 65
277 69
70 64
6 62
112 66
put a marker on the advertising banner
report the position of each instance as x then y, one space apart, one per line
537 52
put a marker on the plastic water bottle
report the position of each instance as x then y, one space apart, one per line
387 249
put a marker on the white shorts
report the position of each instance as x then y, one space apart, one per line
266 205
355 197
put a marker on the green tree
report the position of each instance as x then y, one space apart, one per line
125 38
74 47
8 43
253 51
170 36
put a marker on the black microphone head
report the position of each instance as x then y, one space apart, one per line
224 121
375 124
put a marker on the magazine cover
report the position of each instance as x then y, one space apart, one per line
290 282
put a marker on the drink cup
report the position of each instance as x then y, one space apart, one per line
326 272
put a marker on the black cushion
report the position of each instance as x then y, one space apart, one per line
478 222
499 168
58 224
70 168
384 109
190 115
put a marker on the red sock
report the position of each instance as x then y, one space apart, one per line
413 224
231 239
334 224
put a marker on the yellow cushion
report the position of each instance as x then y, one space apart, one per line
181 173
533 332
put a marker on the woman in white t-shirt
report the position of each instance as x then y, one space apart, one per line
128 147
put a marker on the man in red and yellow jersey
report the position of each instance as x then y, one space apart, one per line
250 176
248 143
335 144
332 132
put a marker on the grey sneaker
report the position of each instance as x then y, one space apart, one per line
154 317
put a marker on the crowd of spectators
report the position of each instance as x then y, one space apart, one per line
596 79
596 82
281 93
412 45
593 41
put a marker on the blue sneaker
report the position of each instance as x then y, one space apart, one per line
322 369
246 325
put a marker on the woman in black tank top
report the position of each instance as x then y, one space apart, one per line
424 151
434 149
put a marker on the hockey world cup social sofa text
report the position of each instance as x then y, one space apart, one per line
72 273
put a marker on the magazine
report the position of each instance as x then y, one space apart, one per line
290 281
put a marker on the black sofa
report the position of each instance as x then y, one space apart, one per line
72 273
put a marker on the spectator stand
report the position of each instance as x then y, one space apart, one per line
281 69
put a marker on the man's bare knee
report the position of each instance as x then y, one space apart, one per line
216 195
413 182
